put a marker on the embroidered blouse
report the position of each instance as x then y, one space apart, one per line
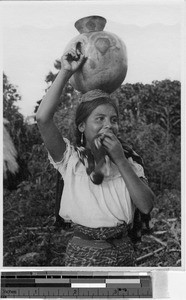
85 203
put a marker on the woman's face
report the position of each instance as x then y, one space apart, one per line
102 116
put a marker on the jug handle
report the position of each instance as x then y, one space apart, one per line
79 47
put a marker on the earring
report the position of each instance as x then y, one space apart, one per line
82 138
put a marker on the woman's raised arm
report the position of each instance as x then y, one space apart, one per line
52 138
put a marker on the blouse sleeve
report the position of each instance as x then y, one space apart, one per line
138 169
61 166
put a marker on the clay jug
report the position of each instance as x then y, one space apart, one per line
106 64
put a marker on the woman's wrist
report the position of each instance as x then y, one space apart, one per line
121 160
65 73
122 163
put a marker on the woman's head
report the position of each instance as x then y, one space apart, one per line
92 116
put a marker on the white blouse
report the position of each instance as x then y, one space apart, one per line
91 205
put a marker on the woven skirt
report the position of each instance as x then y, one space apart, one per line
105 246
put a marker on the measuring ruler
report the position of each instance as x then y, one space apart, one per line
70 284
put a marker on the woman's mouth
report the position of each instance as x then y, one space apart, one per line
100 136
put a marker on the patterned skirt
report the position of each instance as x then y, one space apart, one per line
105 246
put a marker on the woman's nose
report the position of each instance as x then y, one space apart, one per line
107 124
108 127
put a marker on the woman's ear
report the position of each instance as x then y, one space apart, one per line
81 127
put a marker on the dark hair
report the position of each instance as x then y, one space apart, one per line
84 110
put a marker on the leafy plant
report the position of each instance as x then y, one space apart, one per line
149 121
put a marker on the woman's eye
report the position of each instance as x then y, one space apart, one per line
100 118
114 120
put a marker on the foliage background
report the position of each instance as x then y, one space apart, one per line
150 121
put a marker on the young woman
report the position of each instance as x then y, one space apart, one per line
100 203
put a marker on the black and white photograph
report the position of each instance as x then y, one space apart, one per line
92 134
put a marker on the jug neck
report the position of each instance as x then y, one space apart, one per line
90 24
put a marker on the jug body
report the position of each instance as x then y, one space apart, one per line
106 64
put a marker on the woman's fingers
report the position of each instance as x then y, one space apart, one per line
81 59
75 51
107 142
71 60
110 136
111 141
71 55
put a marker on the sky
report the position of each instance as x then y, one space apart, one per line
35 34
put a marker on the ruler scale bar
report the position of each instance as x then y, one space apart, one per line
116 280
75 274
88 285
52 284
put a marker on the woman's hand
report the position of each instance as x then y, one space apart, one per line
140 193
113 147
73 59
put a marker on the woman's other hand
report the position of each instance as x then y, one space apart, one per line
113 147
73 59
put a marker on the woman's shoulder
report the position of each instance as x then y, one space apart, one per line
137 167
69 155
113 171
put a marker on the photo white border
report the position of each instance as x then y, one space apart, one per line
180 271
